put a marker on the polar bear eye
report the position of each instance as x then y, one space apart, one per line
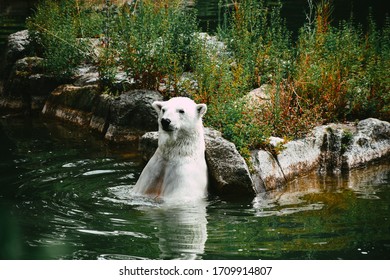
163 111
181 111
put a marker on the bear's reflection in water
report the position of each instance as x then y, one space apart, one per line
181 230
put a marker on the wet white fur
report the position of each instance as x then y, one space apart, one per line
177 171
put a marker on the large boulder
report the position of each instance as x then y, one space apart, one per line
300 156
228 170
132 114
101 113
370 142
134 109
119 119
296 158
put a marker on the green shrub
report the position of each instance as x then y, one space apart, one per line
342 70
152 42
57 27
258 51
259 40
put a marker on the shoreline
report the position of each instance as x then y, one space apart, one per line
129 117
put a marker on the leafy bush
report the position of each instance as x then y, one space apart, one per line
57 27
341 70
152 42
258 52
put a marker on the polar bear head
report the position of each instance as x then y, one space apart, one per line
179 114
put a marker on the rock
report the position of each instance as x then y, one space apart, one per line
148 144
300 156
134 109
131 114
27 88
276 141
229 174
297 157
258 96
267 174
18 46
86 75
101 113
370 142
332 148
211 43
118 134
89 75
72 103
119 119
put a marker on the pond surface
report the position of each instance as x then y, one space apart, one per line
65 194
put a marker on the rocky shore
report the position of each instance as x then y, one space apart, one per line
328 149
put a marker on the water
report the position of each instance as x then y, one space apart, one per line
65 194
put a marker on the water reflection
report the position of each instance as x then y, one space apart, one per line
364 183
181 229
65 194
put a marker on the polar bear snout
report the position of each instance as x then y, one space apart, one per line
166 124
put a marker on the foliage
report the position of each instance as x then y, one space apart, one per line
331 73
342 71
151 41
58 28
258 52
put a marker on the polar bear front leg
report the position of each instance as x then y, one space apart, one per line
151 179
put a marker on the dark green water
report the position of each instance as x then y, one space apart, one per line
65 194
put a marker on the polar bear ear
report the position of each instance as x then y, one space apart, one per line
201 108
157 105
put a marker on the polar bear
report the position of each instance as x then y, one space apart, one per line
177 170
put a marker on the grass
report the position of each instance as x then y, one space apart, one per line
329 73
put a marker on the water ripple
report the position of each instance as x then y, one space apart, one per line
114 233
